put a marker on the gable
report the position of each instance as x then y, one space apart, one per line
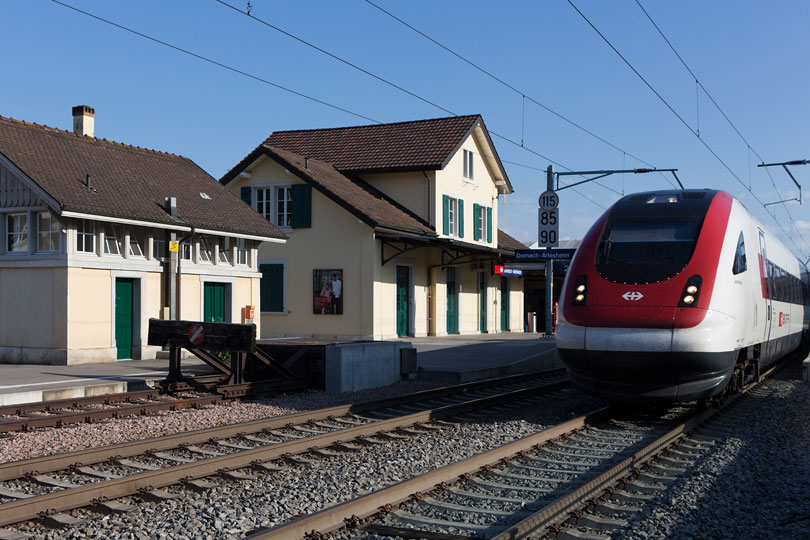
16 191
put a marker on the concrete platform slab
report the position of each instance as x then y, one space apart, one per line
28 383
460 359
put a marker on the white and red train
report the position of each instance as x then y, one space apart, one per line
677 296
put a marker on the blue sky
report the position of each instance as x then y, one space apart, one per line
750 56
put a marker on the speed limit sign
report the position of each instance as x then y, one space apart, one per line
548 220
549 200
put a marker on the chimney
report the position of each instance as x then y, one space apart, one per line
84 121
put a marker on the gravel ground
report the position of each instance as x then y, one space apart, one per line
17 446
235 508
753 483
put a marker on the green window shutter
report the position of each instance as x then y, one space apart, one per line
246 193
476 230
460 218
446 213
301 195
489 225
272 287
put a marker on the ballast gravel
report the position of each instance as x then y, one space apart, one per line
235 508
753 483
17 446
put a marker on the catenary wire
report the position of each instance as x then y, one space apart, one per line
394 85
270 83
665 102
717 105
523 95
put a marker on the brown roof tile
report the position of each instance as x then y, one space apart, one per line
357 196
507 242
417 145
129 182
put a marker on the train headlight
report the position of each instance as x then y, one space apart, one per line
691 292
580 288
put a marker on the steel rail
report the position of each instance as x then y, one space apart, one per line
59 419
560 510
25 509
335 517
355 511
66 403
55 462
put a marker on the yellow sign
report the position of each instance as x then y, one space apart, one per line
174 246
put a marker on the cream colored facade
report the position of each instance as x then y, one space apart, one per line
58 289
339 240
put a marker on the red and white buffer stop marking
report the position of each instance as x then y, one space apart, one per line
196 334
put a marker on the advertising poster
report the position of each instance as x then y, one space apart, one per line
327 292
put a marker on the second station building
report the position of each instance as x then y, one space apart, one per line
392 231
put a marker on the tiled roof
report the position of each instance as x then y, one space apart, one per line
127 181
507 242
417 145
357 196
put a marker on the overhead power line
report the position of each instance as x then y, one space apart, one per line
665 102
521 93
717 105
216 63
397 87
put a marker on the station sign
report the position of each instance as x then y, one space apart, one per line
544 254
503 270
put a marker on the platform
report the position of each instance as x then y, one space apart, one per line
460 359
448 360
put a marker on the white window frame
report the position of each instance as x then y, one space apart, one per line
267 200
186 251
242 251
112 232
81 233
10 232
481 223
138 239
469 174
205 253
52 233
224 251
452 215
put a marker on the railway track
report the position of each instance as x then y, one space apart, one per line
581 479
48 486
58 413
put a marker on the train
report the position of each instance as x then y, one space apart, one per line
679 295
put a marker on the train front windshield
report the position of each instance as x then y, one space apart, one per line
646 250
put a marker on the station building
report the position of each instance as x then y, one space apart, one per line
393 231
84 224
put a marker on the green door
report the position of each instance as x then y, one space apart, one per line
123 317
403 299
452 300
214 302
482 304
504 304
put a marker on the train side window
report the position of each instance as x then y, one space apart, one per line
740 265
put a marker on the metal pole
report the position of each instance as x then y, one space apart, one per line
549 264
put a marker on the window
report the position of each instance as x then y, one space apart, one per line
468 165
241 251
205 250
284 206
453 216
185 250
85 236
272 288
224 251
47 232
158 246
17 233
481 222
740 264
136 243
112 240
275 205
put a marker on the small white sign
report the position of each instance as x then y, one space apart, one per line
548 228
549 200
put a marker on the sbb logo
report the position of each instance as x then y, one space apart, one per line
632 295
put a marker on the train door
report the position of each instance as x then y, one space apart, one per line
766 294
